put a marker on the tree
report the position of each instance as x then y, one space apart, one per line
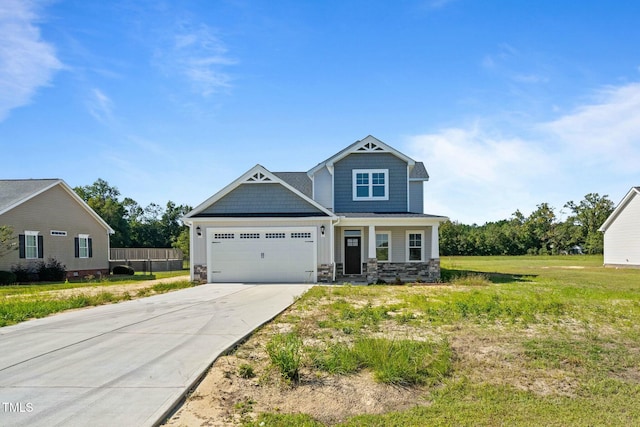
103 199
7 240
589 215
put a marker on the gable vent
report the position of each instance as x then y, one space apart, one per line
370 147
259 177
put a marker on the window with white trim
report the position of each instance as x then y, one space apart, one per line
31 244
83 246
415 245
371 184
383 250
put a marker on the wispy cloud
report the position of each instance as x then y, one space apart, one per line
100 106
26 61
196 54
605 131
474 168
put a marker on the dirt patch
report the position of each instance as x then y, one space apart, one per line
114 289
223 398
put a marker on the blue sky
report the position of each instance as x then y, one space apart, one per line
508 103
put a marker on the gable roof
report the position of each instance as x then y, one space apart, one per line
625 201
419 173
298 180
259 174
14 192
369 144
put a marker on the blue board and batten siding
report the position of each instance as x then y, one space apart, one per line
249 199
343 181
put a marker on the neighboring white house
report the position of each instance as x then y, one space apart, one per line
622 232
356 216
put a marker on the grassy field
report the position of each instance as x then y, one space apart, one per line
23 302
551 341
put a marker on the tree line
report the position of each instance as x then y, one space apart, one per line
542 232
153 226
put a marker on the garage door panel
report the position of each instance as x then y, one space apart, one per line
263 255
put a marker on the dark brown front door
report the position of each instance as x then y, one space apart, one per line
352 256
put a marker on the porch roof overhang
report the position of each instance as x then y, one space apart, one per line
389 219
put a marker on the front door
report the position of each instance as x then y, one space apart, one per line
352 255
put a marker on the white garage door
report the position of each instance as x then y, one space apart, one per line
269 255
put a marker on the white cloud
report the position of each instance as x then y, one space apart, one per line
26 62
478 175
196 54
100 106
604 132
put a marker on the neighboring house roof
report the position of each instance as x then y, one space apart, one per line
14 192
298 180
259 174
369 144
625 201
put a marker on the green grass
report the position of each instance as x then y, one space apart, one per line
34 303
285 352
399 362
530 340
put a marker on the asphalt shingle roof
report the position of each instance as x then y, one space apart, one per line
14 191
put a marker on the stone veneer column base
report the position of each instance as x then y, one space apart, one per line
325 273
200 273
408 271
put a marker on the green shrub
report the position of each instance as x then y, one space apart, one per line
124 269
51 271
25 273
7 278
285 351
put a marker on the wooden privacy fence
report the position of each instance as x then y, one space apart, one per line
147 259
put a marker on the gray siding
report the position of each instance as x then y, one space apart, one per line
261 199
343 182
622 238
416 196
55 209
322 188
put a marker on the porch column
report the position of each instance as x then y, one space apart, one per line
435 248
372 242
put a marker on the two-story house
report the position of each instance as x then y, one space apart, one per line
357 216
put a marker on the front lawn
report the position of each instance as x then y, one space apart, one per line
505 341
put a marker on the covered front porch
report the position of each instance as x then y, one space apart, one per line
386 248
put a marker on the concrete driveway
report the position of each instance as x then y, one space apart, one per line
126 364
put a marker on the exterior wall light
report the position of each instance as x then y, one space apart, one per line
322 230
199 231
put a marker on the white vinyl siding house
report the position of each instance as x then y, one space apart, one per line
622 232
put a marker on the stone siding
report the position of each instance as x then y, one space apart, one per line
408 271
200 273
325 273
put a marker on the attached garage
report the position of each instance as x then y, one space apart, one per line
270 254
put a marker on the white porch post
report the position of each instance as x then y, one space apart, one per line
435 248
372 242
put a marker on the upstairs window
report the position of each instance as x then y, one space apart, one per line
370 184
